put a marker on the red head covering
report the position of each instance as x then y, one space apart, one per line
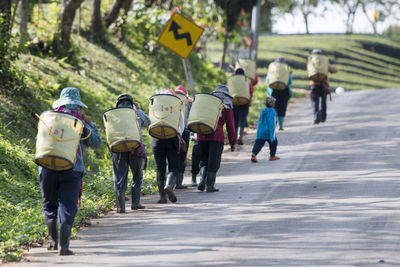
181 89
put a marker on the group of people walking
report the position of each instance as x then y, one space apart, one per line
60 189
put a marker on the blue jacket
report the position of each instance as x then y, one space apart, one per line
269 90
266 124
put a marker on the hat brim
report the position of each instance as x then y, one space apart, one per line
63 102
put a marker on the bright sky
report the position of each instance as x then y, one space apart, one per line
332 21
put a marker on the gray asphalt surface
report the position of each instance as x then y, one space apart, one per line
332 200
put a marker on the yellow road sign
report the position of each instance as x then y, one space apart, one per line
180 35
376 15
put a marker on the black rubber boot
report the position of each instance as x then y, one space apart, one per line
163 196
65 233
120 202
169 187
135 199
53 234
194 183
179 182
240 136
203 178
211 182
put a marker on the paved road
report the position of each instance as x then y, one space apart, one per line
332 200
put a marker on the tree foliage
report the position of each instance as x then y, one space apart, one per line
232 10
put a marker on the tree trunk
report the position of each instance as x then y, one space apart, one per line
23 27
305 17
5 26
371 21
97 25
67 16
126 6
113 13
221 64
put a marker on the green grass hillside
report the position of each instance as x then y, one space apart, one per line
364 62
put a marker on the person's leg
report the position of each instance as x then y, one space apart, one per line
214 162
204 146
258 145
272 148
173 166
68 207
323 107
281 112
120 170
242 114
49 186
160 157
314 96
195 162
182 160
236 110
137 181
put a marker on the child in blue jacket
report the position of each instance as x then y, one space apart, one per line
266 130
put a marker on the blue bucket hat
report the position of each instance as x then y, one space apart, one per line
222 92
69 96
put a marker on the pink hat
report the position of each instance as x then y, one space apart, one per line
181 89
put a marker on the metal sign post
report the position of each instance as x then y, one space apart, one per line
189 76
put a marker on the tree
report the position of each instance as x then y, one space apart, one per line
307 8
111 16
63 34
350 7
386 8
267 8
23 26
5 29
97 24
232 10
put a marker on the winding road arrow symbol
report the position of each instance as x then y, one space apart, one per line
174 28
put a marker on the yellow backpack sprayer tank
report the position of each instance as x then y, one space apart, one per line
122 129
204 114
165 114
57 140
239 88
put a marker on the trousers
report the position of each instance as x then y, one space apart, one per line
121 164
258 145
60 191
210 155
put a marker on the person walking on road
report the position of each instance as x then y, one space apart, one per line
212 146
135 160
181 90
282 96
266 131
319 85
60 189
167 150
240 112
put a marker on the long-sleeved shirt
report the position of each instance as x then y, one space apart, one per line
225 118
144 121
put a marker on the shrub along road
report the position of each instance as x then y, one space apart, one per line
332 200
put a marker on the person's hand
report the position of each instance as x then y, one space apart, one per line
233 147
